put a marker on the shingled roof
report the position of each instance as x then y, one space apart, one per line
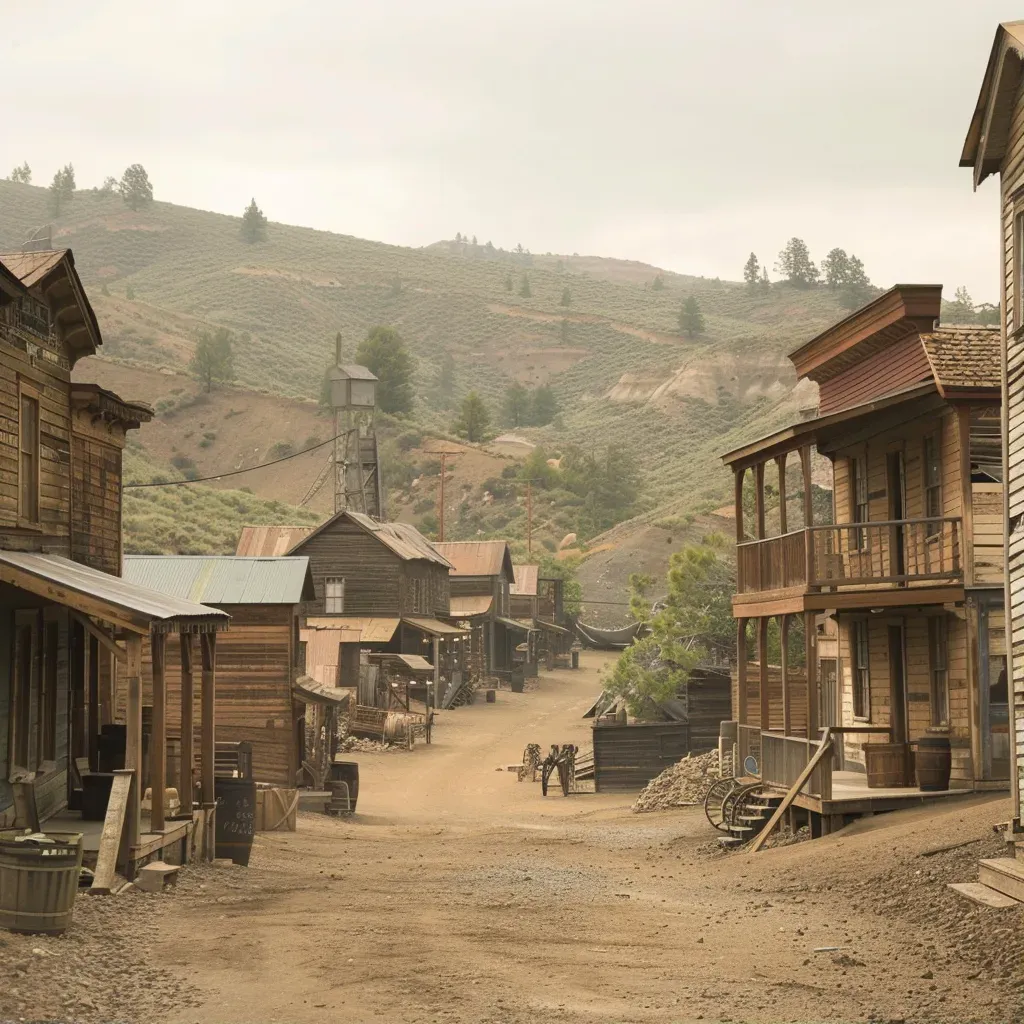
964 358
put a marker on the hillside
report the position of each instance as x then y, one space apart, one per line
623 375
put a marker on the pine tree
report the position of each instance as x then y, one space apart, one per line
22 174
515 409
254 224
836 268
795 264
765 283
384 354
752 271
566 297
524 287
473 420
961 309
691 319
544 407
213 359
136 188
62 189
658 284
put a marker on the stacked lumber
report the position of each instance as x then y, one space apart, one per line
684 783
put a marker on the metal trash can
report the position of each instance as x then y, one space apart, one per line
575 659
38 880
347 771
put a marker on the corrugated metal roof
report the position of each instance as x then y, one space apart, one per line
415 662
477 557
31 267
356 372
525 584
271 541
434 627
467 607
62 580
313 691
223 579
371 630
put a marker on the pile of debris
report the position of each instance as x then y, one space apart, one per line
680 785
365 746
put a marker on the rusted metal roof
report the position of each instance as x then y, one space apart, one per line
468 607
525 584
371 630
964 357
478 557
313 691
223 579
271 540
93 592
434 627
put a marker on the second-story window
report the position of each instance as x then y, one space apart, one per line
334 595
28 458
938 664
860 658
859 499
35 317
932 485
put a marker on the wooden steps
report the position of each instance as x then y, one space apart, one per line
1004 875
985 896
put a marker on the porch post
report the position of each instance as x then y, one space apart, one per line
741 671
437 671
133 739
208 646
811 655
185 788
787 716
158 742
92 676
762 654
805 466
759 498
780 461
738 477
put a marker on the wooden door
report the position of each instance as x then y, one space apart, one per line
897 685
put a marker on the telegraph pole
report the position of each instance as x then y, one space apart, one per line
529 519
440 511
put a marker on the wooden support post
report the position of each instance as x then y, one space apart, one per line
805 466
185 787
208 646
437 671
780 461
92 689
787 712
759 498
811 656
738 477
133 738
158 741
741 672
762 655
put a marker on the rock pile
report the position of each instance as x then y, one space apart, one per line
684 783
357 744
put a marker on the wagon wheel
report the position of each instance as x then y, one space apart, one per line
714 801
736 802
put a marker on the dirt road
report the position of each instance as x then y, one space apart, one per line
459 895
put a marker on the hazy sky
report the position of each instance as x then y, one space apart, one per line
683 134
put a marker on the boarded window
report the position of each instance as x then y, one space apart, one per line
860 655
860 512
932 484
334 595
28 467
938 664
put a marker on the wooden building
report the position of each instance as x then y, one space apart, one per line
481 580
537 601
66 609
995 145
259 659
909 567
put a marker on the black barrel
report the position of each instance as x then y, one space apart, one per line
96 788
236 818
933 762
347 771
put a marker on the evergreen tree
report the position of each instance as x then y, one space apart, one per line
858 288
109 186
795 264
213 359
691 319
458 236
384 354
515 409
524 287
254 224
136 188
324 401
474 241
765 283
22 174
836 268
659 283
473 420
961 309
62 189
752 271
566 297
544 407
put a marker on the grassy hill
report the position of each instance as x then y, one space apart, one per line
623 374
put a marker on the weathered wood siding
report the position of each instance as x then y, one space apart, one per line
797 686
627 757
895 367
96 503
987 527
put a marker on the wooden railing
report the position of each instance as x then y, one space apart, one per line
897 552
783 758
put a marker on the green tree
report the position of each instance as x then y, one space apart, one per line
836 268
515 407
213 359
22 174
691 319
62 189
795 264
524 287
129 292
961 309
752 271
858 288
544 406
136 188
254 224
566 297
765 283
109 186
474 419
536 469
384 354
564 569
658 284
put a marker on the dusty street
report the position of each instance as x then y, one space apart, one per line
460 895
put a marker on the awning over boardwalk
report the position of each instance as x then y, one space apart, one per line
371 630
434 627
522 627
469 607
106 597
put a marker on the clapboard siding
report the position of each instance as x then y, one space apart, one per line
96 504
627 757
898 366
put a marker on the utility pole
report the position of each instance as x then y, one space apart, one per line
529 519
440 511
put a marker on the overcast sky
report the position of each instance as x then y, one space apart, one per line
682 134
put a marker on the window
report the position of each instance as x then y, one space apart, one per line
932 485
35 317
937 660
860 653
28 466
859 499
334 595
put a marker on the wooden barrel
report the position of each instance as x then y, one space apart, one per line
235 823
38 881
933 763
347 771
886 765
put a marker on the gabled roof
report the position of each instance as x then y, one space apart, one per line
270 540
10 284
356 372
223 579
478 557
402 539
989 131
526 581
53 273
964 358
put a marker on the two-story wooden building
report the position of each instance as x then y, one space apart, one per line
537 601
909 567
65 610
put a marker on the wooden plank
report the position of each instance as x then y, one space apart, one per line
186 722
113 832
158 741
759 499
99 636
762 657
133 737
208 649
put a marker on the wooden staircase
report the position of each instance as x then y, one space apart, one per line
1000 883
748 818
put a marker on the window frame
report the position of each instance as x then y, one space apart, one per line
860 510
860 673
329 598
930 490
1018 268
938 671
29 517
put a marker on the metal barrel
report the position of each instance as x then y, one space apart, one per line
38 881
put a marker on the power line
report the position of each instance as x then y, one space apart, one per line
235 472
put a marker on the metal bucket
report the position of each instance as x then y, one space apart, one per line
38 881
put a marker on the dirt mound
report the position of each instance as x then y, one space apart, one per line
686 782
